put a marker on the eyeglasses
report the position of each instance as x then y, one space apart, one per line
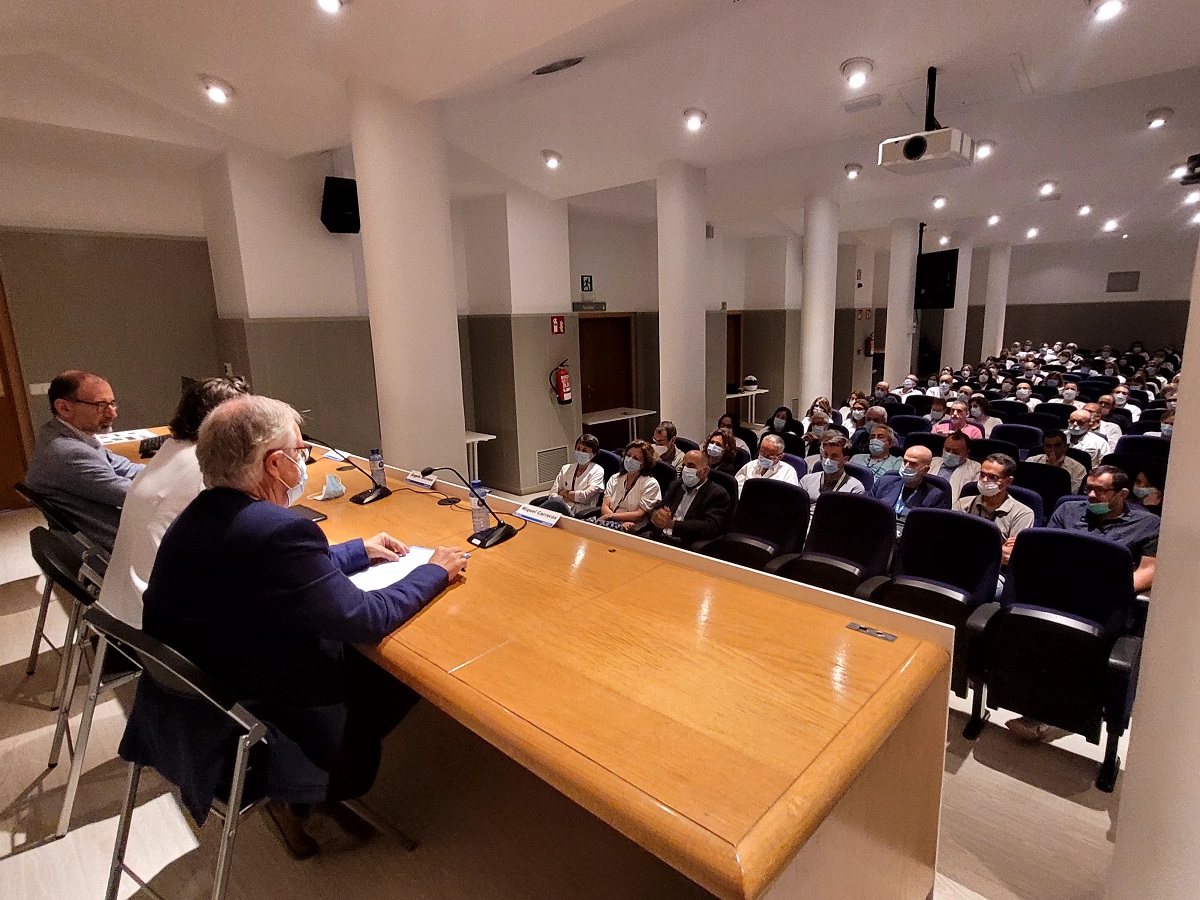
991 479
100 405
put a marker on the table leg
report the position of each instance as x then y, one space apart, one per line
752 416
472 460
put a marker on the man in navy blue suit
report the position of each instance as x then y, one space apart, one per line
253 594
910 488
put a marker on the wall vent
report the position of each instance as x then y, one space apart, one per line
1123 282
550 463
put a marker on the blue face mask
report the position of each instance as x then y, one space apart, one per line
632 465
951 460
1099 509
909 475
296 491
1142 492
582 457
829 466
716 450
876 446
779 422
764 463
1165 429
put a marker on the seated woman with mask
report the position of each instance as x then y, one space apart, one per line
632 493
782 421
729 423
721 453
818 426
579 484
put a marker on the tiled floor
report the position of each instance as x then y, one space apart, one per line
1018 821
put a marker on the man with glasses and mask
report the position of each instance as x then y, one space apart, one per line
994 503
770 464
71 467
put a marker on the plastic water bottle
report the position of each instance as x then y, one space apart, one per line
479 513
378 475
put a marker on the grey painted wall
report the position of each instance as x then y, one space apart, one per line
645 360
715 353
764 334
494 388
1157 323
843 357
138 310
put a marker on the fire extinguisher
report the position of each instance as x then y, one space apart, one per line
869 345
560 381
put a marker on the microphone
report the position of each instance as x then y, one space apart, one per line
488 537
371 494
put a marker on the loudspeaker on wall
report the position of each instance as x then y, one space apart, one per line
339 205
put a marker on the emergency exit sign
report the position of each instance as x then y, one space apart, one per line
585 283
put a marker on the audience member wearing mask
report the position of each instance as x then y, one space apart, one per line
860 438
579 484
908 388
729 424
846 410
955 464
1107 430
878 457
1081 437
1166 426
694 509
908 488
1054 453
1109 413
995 504
633 492
1149 485
1024 394
665 433
981 415
782 421
820 404
882 390
831 475
957 421
944 388
818 427
937 411
1121 401
721 452
769 464
1070 395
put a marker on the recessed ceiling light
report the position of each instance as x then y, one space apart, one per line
939 202
984 149
333 7
558 65
1196 219
218 91
694 119
1111 225
1048 190
1085 210
853 170
943 240
1124 236
1192 198
1106 10
1031 233
856 71
993 220
1157 118
553 159
1178 172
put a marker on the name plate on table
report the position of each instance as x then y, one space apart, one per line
538 516
415 477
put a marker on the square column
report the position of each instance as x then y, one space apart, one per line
954 322
996 300
902 285
820 300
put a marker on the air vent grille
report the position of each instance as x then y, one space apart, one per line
550 462
1123 282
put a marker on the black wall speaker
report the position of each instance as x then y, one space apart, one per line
339 205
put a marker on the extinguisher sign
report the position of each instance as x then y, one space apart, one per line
558 324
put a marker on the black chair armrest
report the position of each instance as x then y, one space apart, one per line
828 572
979 619
699 546
973 638
591 512
779 563
1124 662
1125 655
742 550
868 587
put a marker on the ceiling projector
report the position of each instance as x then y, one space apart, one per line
927 151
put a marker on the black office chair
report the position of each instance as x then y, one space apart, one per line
935 442
797 463
1146 446
921 404
684 445
664 474
927 581
608 461
1026 438
741 457
1048 482
1152 417
1142 426
793 443
770 519
985 447
1080 456
1043 421
1008 410
1132 463
729 483
748 436
862 474
850 540
1060 411
1058 646
906 425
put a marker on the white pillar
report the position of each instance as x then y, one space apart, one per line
954 320
902 285
408 259
820 299
682 295
1158 825
995 301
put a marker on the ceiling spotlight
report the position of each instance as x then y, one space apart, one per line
943 240
1192 199
1179 172
218 91
856 71
1085 210
694 119
1124 236
1047 190
1196 219
853 170
993 220
1157 118
333 7
1111 225
552 159
1031 233
1106 10
984 149
939 202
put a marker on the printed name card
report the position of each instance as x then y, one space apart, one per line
415 477
539 516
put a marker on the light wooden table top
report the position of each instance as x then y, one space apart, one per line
712 722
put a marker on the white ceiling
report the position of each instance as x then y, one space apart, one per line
1063 97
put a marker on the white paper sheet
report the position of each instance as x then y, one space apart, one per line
120 437
384 574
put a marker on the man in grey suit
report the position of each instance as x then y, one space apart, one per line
71 467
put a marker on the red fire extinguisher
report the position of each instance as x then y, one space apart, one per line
560 380
869 345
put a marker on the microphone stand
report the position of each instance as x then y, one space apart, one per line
488 537
371 494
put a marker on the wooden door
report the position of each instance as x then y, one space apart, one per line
606 373
15 432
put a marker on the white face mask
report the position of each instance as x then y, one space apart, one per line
690 477
582 457
296 491
764 463
818 430
1023 393
988 488
935 415
660 450
1069 395
1120 399
716 450
976 412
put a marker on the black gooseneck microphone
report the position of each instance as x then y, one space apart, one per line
488 537
371 494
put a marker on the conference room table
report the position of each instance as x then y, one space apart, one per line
764 738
